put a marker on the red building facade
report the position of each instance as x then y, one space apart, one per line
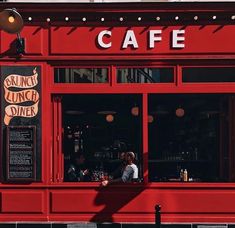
85 67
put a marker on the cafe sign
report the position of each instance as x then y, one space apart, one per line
16 99
136 40
154 36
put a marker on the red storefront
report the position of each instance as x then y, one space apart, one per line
157 79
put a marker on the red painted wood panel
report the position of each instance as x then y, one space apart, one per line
183 201
206 39
33 36
14 201
74 201
111 201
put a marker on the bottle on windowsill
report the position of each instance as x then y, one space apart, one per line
185 175
181 175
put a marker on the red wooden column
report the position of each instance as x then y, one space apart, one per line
57 140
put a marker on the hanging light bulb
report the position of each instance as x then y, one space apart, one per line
109 118
11 19
150 119
179 112
135 111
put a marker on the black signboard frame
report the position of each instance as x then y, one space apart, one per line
21 140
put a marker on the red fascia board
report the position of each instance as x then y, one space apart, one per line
167 7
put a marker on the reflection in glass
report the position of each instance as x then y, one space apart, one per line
145 75
208 74
81 75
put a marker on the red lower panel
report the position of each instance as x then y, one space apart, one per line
22 201
84 201
143 201
121 204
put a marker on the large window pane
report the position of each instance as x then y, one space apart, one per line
145 75
208 74
190 132
81 75
101 128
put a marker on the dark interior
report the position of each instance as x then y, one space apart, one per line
87 131
195 139
187 132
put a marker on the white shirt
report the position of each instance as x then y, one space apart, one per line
130 172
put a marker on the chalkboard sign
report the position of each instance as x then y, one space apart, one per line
21 144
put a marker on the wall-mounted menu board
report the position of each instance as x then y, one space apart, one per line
21 144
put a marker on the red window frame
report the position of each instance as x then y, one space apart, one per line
140 88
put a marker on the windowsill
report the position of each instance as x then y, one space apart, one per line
96 185
158 185
190 185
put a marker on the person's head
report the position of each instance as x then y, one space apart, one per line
122 156
130 157
79 159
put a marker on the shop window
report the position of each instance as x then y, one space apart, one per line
98 131
81 75
145 75
208 74
190 137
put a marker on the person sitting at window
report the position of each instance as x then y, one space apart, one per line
76 170
129 174
119 168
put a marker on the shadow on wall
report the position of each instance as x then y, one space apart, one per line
115 198
12 51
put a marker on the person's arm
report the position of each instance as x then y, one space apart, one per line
128 172
106 182
83 174
72 176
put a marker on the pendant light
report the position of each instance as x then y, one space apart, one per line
109 118
150 119
179 112
135 110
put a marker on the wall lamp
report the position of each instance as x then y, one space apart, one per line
12 22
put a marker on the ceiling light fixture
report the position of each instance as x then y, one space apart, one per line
135 111
179 112
107 112
150 119
109 118
74 112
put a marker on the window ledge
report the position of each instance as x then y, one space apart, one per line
185 185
